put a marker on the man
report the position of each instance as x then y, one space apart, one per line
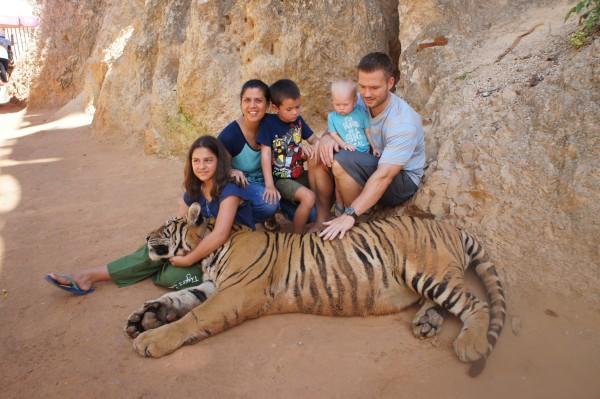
362 179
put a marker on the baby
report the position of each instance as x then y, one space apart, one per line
348 125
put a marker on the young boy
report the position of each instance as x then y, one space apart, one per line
282 154
348 125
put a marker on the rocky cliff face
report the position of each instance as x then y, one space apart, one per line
513 143
513 140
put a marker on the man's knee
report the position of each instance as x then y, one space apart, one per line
338 170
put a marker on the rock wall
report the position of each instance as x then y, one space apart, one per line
161 72
512 143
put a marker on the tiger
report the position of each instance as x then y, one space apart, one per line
379 267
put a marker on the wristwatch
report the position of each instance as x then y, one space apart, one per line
350 211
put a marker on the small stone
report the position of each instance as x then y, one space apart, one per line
535 79
515 324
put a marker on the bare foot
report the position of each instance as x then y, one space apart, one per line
84 279
82 284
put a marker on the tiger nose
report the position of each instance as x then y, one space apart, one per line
161 249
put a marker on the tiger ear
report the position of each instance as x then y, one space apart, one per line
194 216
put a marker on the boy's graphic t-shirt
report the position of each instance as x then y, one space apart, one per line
285 139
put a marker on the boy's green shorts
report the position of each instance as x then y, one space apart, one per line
288 187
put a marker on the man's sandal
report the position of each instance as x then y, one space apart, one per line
338 210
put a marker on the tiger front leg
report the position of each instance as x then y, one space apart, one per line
168 308
428 320
221 311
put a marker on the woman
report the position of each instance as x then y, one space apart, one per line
239 138
206 181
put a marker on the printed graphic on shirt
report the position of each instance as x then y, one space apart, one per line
287 153
354 133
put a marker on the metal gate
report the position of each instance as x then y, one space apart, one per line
21 37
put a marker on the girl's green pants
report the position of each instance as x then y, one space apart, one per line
138 266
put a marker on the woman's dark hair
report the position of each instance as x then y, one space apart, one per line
192 184
256 84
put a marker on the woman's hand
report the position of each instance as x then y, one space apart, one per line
271 195
239 177
327 146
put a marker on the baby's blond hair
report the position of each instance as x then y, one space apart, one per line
343 86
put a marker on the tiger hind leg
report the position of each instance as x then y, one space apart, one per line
428 320
472 343
168 308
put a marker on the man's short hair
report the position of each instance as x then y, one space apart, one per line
377 61
283 89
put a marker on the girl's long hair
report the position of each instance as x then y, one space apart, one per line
192 184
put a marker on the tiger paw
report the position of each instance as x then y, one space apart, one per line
167 309
152 315
157 343
471 344
427 322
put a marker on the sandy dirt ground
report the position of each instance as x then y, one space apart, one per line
69 201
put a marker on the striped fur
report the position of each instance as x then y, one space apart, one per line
380 267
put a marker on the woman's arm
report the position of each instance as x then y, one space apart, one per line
227 210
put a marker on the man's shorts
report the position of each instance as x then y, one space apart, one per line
361 165
288 187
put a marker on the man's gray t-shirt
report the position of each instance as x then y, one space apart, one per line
398 134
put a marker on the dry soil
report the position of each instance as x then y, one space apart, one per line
69 201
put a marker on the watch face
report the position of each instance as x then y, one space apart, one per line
350 211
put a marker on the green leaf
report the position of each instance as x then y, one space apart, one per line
571 11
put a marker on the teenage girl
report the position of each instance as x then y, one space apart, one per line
207 181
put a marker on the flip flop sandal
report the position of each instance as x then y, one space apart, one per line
73 288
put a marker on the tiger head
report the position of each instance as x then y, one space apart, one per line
178 235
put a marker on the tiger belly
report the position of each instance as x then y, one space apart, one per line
334 293
304 274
